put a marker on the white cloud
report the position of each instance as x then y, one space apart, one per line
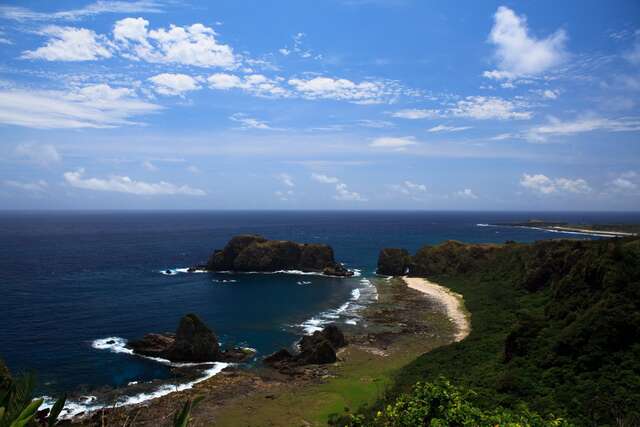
581 125
376 124
93 106
324 179
633 55
444 128
467 193
99 7
256 84
286 179
193 169
249 122
397 143
366 92
542 184
173 84
519 53
149 166
415 114
41 154
343 193
342 190
626 182
190 45
70 44
550 94
124 184
35 187
284 195
409 189
483 108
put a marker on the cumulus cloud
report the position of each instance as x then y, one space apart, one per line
550 94
34 187
415 114
324 179
626 182
173 84
124 184
194 45
542 184
483 108
92 106
366 92
149 166
396 143
284 195
580 125
286 179
410 189
445 128
255 84
518 52
18 13
41 154
467 193
250 122
70 44
342 190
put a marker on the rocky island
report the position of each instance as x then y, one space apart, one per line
193 342
253 253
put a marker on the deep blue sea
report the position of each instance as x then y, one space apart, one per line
69 279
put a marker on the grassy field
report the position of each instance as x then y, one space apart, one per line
360 379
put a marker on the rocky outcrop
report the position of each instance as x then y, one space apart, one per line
450 257
247 253
393 262
5 376
317 349
192 342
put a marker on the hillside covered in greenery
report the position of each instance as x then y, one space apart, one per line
555 326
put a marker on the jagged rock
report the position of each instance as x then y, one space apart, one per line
192 342
255 253
280 356
5 376
318 348
393 262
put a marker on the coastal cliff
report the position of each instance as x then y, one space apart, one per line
247 253
555 324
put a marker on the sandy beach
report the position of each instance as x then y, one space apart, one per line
452 302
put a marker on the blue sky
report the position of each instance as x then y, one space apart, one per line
335 104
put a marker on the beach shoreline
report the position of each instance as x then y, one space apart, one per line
452 302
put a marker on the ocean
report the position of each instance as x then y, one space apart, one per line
76 285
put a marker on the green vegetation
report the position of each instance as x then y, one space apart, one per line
555 326
441 404
182 418
18 408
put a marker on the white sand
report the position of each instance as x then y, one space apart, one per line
452 302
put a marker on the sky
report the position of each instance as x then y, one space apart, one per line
332 104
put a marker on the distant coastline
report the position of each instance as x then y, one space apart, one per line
599 230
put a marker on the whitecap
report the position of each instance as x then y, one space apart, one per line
73 408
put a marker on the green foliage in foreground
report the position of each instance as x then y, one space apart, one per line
183 417
19 409
555 325
440 404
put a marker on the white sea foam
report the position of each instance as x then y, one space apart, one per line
349 311
303 282
119 345
86 403
224 281
180 270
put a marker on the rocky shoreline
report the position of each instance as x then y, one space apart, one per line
401 319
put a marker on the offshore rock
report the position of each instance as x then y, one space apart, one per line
247 253
317 349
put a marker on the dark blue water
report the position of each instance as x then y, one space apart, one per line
67 279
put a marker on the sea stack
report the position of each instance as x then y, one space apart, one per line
248 253
193 342
316 349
